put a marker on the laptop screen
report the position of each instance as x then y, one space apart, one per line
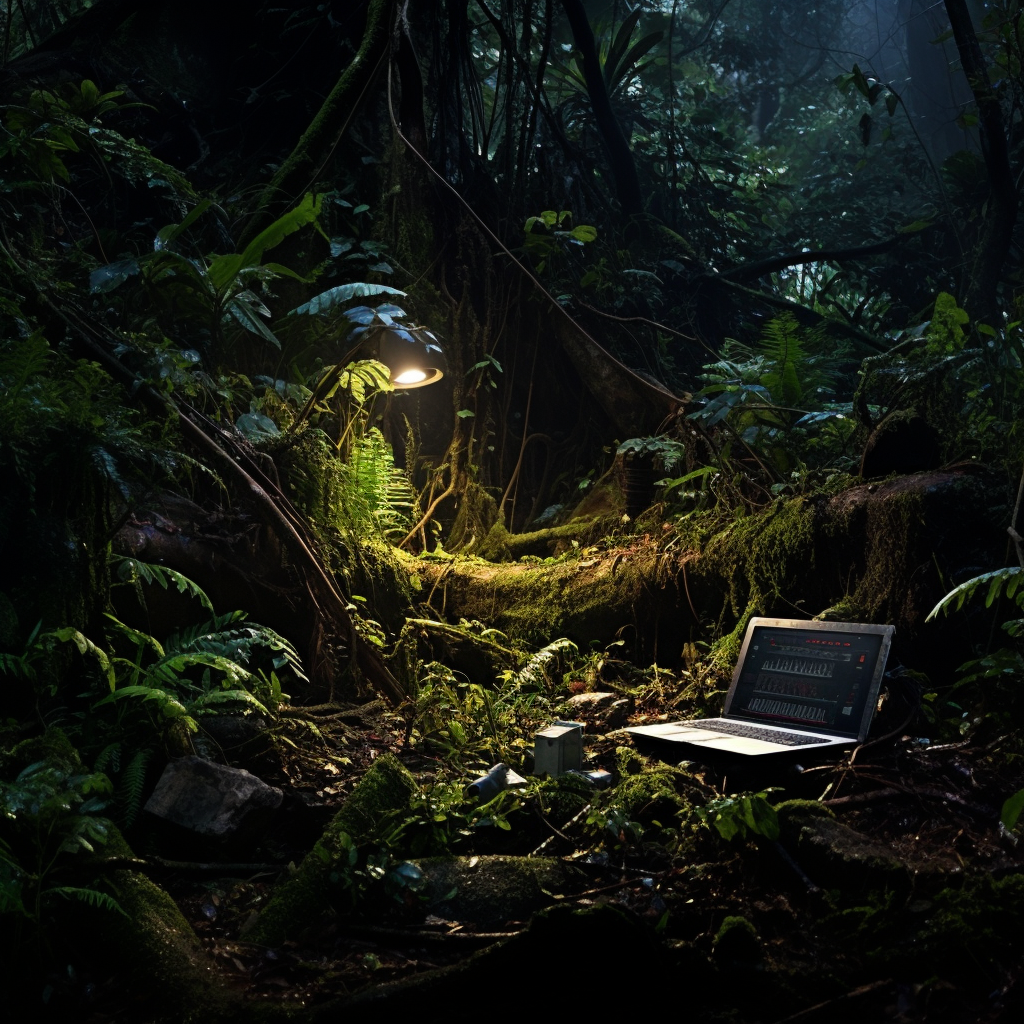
818 676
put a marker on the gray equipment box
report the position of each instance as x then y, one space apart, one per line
558 749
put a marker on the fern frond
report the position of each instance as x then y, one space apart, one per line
782 344
109 758
535 672
239 697
132 783
91 896
134 572
1000 581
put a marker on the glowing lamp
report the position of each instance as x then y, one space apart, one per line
412 355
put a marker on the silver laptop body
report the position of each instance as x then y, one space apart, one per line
798 686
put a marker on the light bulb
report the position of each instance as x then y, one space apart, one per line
411 377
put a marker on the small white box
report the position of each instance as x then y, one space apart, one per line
558 749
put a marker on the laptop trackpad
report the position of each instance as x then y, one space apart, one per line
734 744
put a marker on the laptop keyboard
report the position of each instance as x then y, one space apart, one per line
753 732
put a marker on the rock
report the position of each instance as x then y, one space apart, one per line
491 891
212 800
588 703
600 711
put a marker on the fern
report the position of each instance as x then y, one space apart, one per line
131 784
93 897
536 671
1000 581
134 573
374 488
782 345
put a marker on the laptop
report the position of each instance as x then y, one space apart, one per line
798 687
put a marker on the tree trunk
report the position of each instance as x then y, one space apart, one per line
993 245
627 183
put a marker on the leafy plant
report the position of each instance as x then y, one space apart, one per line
49 814
995 584
219 288
375 488
739 814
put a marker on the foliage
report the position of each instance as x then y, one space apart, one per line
376 490
48 814
202 670
995 584
739 814
218 290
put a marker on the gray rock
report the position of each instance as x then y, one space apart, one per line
212 800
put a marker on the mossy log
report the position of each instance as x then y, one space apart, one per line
872 553
301 902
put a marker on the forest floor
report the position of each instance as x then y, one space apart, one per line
891 891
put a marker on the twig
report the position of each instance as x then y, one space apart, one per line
789 860
811 1011
426 515
1018 541
929 792
425 935
162 864
898 731
572 821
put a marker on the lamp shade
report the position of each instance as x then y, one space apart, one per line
413 356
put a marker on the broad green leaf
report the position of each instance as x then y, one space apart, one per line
305 213
246 313
1011 811
106 279
175 231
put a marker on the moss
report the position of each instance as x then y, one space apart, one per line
476 521
582 599
791 809
302 900
737 942
490 891
154 945
763 555
628 761
313 477
501 546
893 530
52 746
566 795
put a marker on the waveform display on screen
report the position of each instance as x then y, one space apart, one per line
798 666
817 679
820 714
792 687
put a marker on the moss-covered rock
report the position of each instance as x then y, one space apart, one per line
491 891
737 943
67 890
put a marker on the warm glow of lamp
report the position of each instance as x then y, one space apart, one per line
412 355
409 377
